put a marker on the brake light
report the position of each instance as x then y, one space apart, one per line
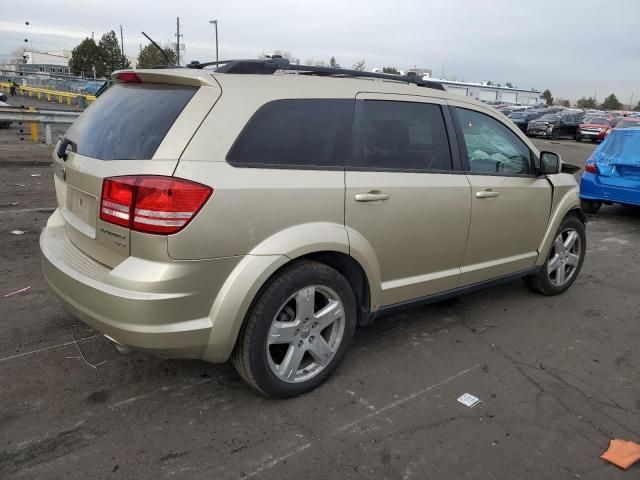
591 168
128 77
152 204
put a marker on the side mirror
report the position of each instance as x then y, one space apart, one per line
549 163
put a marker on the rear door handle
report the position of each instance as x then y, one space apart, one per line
487 194
371 196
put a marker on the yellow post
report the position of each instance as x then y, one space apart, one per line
68 100
34 128
48 97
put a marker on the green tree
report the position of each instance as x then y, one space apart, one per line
112 58
547 96
585 103
85 57
565 103
489 83
611 103
150 57
509 85
392 70
359 65
332 62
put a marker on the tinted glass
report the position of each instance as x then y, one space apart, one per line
400 135
129 121
310 132
492 147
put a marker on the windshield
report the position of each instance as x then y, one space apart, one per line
599 121
628 124
550 117
518 115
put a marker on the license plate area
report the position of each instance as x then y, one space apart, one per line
80 211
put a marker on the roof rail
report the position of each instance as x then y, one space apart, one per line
270 65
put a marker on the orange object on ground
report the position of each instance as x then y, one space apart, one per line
622 453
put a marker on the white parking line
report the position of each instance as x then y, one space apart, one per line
12 357
30 210
272 463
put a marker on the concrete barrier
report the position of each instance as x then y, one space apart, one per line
49 95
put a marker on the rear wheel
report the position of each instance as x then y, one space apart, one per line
590 206
298 330
564 261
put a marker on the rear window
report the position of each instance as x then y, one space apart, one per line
128 122
296 133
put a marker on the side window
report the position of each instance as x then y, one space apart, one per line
492 147
296 132
400 135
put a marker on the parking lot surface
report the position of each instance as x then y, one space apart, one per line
557 376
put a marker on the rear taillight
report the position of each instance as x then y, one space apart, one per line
152 204
591 168
128 77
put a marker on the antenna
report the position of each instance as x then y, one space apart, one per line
164 54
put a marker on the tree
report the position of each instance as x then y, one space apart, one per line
150 57
585 103
637 109
85 57
332 62
565 103
489 83
547 96
392 70
611 103
359 66
509 85
112 58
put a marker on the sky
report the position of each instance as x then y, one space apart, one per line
575 48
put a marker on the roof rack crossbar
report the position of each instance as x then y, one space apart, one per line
271 65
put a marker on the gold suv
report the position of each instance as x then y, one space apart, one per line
260 211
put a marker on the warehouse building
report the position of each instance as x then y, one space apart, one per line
492 93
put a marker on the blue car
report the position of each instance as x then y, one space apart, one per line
612 172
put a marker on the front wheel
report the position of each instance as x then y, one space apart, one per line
564 261
298 330
590 206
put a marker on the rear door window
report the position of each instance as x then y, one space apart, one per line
400 136
129 121
295 133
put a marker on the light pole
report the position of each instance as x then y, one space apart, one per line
215 24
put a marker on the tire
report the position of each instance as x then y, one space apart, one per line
547 280
282 345
590 206
578 139
555 135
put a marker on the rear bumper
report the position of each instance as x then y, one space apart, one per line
158 307
591 188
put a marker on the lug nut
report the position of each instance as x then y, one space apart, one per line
300 343
311 339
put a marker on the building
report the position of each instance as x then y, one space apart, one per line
47 63
492 93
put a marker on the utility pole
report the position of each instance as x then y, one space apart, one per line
178 39
631 102
122 47
215 24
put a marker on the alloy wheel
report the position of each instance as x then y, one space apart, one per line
564 257
305 334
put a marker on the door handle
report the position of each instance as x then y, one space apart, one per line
373 196
487 194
